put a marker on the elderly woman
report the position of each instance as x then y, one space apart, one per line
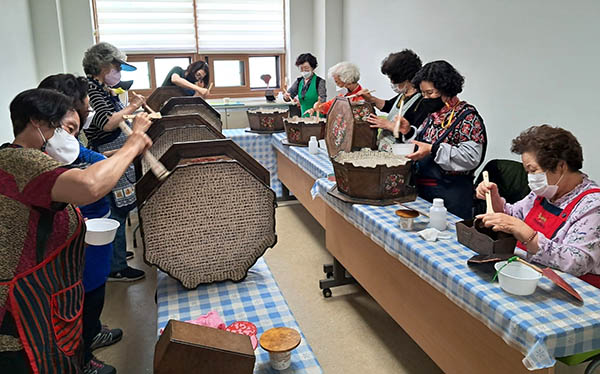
97 258
400 68
557 223
103 63
309 88
451 141
194 80
346 76
41 241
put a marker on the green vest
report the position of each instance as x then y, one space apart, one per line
310 98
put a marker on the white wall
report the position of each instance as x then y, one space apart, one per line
77 25
299 36
525 62
17 60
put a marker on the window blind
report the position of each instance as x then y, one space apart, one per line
147 25
240 26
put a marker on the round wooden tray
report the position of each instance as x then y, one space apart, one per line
280 339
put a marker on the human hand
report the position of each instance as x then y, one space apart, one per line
380 123
141 122
424 150
287 97
137 100
366 94
508 224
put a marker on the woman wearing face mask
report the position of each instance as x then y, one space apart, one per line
102 64
451 141
194 80
400 68
309 89
557 223
41 231
346 76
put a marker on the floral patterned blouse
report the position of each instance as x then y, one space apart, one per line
575 248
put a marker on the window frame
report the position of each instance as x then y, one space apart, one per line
216 93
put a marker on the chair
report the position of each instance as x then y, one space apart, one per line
509 176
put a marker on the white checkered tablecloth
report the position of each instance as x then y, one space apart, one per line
259 147
543 326
317 166
256 299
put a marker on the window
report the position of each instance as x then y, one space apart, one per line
242 40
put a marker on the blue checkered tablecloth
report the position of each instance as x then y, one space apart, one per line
259 147
317 166
543 326
256 299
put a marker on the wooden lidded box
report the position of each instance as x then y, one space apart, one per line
168 130
488 242
363 135
299 129
212 218
188 348
377 177
267 120
160 96
193 105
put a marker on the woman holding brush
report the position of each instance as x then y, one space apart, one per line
102 64
557 224
405 109
451 142
309 88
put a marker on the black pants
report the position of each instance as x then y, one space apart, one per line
457 194
92 308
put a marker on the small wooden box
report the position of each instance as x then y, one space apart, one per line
186 348
299 130
267 120
495 243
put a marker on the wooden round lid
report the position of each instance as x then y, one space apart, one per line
407 213
280 339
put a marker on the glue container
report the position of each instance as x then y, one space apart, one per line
437 215
313 145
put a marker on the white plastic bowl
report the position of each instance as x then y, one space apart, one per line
517 279
100 231
403 149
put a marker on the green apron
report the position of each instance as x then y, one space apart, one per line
310 98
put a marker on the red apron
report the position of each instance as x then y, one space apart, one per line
46 303
548 222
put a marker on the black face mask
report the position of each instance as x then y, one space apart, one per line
432 105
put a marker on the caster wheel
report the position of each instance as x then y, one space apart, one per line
329 275
327 293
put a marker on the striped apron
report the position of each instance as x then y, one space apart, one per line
46 303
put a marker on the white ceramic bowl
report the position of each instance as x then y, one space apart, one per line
403 149
517 279
100 231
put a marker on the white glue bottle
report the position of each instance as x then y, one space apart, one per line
437 215
313 145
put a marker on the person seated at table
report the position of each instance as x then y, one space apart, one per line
309 88
41 246
346 76
558 223
194 80
400 68
451 141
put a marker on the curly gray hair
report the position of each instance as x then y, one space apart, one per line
99 56
346 71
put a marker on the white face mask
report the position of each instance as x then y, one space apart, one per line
112 78
396 89
341 90
62 146
306 74
538 183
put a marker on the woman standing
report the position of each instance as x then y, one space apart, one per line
451 141
346 76
309 88
41 232
102 64
194 80
400 68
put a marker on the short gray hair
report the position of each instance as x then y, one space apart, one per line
99 56
346 71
